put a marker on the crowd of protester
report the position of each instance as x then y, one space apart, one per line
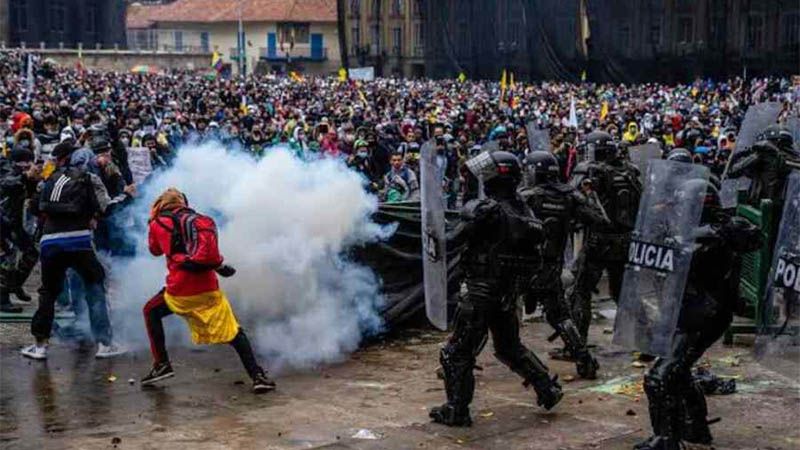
366 123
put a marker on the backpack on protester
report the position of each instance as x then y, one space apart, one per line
195 235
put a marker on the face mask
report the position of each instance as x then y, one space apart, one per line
126 142
362 154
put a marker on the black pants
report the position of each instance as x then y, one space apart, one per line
488 306
156 309
590 268
54 271
17 261
677 404
546 289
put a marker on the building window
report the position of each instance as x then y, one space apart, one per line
755 32
355 8
91 16
397 40
624 39
790 36
375 10
57 16
18 11
685 30
204 46
514 34
655 34
178 41
375 36
419 34
397 7
291 32
416 7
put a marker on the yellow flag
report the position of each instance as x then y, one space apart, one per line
462 77
342 74
503 82
511 82
583 76
604 111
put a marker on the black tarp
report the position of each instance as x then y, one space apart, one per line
398 261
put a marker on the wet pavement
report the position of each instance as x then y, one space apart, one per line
377 399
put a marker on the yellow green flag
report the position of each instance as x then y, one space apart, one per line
342 74
462 77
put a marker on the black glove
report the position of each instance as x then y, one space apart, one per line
225 271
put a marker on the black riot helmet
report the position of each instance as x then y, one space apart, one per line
500 171
541 167
777 135
680 155
600 146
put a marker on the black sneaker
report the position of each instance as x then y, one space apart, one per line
262 383
160 371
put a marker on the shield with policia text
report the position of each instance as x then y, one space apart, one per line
434 242
756 119
659 256
538 138
778 340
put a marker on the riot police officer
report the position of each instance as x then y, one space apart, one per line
614 183
501 236
677 404
558 205
768 163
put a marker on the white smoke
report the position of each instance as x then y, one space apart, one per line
285 225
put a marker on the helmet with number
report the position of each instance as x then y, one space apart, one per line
680 155
508 175
778 135
500 171
541 167
601 146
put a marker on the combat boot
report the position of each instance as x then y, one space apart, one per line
548 392
5 303
452 416
586 366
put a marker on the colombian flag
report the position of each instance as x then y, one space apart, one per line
216 61
209 315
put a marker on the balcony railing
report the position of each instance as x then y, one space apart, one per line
169 41
296 54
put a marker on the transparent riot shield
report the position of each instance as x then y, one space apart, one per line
659 256
434 252
640 155
757 118
778 340
538 139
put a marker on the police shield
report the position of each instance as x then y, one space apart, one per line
434 254
640 155
538 139
758 117
778 340
659 256
793 125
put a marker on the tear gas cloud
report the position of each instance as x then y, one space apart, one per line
285 225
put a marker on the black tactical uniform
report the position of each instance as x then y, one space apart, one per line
677 405
767 163
501 236
615 184
557 205
17 248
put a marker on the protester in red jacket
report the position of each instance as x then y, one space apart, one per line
188 240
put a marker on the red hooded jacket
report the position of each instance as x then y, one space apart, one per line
180 282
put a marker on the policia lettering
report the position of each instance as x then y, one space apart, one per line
651 256
787 273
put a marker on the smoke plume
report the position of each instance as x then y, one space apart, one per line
285 225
